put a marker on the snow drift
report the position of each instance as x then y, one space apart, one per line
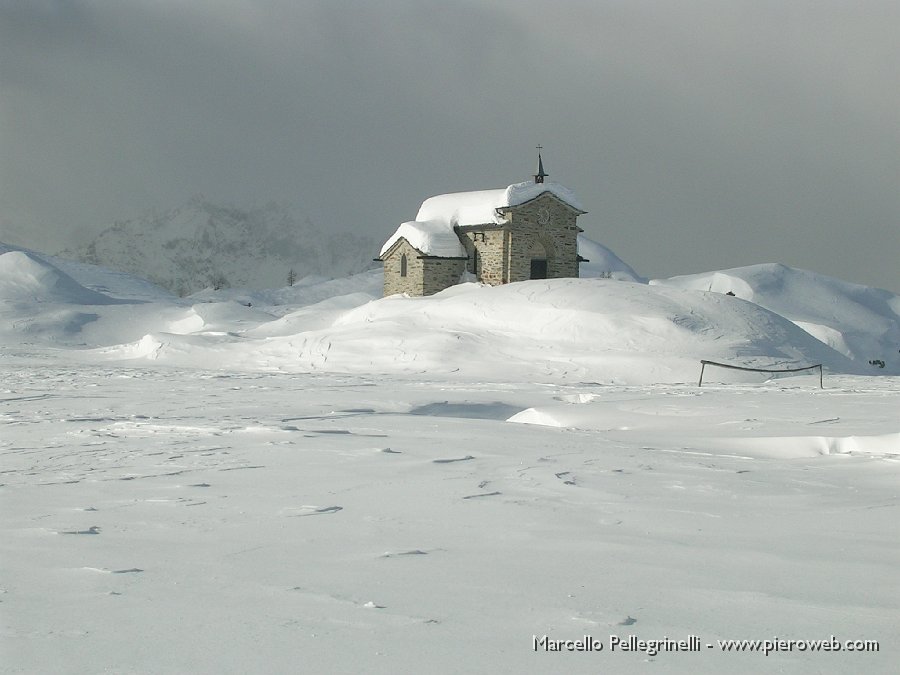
562 329
25 278
598 330
862 323
601 262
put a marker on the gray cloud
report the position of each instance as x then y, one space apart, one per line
699 135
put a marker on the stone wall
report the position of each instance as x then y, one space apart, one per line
414 281
424 276
441 273
490 264
558 237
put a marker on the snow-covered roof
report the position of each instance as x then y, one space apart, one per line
431 238
432 231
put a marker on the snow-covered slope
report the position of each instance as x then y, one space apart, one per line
307 291
118 285
25 278
44 299
549 330
601 262
200 244
862 323
599 330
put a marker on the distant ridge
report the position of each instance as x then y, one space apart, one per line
202 245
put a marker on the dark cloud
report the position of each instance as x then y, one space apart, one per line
699 135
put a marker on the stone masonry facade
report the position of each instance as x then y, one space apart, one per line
542 229
425 275
441 273
413 283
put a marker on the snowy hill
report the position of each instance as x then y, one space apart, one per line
307 291
549 330
118 285
860 322
560 329
599 330
45 299
601 262
25 278
200 245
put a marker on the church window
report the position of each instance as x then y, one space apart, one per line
403 265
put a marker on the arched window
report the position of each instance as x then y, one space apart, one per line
403 265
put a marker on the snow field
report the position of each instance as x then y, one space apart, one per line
164 520
316 479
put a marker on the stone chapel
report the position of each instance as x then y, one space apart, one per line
524 231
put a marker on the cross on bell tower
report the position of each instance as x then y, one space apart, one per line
540 175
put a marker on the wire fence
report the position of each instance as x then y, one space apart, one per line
704 363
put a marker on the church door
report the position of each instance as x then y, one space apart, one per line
538 268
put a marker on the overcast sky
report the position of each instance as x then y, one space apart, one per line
698 135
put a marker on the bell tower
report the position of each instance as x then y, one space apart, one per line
540 175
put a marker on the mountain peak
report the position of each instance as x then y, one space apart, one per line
202 244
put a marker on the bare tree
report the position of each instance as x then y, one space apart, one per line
218 281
